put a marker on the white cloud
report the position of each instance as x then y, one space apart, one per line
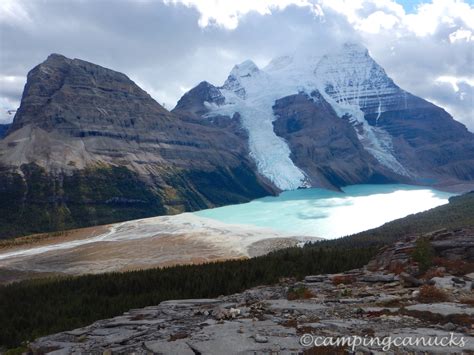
461 35
9 99
7 109
454 81
12 12
227 13
377 21
431 16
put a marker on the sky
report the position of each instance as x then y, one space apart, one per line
169 46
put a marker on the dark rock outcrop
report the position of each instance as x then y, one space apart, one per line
194 101
449 246
323 145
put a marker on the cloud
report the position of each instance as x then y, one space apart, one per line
13 13
168 47
227 14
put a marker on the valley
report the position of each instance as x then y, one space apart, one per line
230 232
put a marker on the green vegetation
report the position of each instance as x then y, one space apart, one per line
423 254
225 186
38 307
38 202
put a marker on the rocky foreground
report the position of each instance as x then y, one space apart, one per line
419 287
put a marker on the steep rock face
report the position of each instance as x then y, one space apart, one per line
324 145
429 141
78 120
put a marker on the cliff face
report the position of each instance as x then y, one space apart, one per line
87 138
76 113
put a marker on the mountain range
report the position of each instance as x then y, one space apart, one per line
88 146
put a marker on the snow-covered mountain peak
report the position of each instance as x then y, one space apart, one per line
278 63
240 76
348 78
244 69
351 77
354 48
357 86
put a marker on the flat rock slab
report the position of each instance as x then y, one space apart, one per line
294 305
242 337
444 308
190 302
379 278
169 347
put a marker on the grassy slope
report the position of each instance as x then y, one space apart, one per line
34 308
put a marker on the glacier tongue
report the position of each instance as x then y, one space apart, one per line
248 91
349 80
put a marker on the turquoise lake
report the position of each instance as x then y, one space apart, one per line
331 214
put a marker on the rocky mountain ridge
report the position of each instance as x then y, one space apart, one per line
406 137
394 295
99 149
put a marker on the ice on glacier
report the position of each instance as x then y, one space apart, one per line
247 92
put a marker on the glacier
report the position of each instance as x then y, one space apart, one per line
348 78
252 93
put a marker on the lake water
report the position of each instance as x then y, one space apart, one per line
331 214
